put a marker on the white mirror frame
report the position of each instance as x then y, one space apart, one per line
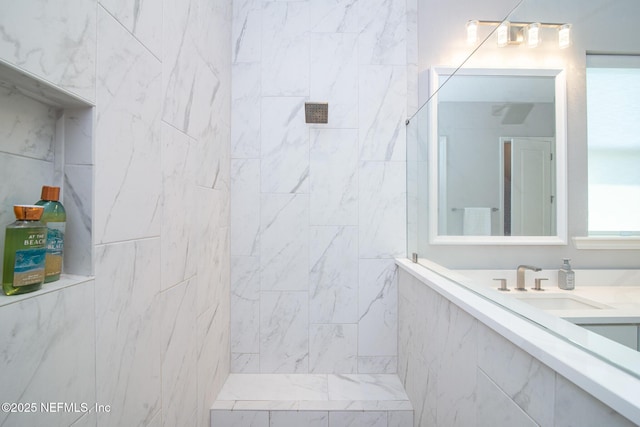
438 75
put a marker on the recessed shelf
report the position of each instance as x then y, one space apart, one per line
46 138
38 89
66 280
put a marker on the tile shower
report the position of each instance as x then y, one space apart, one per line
317 210
314 206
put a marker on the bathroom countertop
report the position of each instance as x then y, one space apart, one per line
621 295
623 305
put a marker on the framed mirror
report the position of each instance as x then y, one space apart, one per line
497 156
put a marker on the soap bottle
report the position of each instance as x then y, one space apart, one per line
566 276
55 218
24 251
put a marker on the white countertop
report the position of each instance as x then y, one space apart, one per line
620 295
624 303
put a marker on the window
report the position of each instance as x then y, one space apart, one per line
613 117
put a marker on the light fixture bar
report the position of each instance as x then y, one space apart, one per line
516 33
522 23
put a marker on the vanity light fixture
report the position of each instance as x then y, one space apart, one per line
517 33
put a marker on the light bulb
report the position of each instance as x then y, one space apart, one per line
503 34
472 32
533 34
564 36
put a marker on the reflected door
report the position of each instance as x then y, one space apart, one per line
528 197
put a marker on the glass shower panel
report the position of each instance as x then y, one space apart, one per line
417 183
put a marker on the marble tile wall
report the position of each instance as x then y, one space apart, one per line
150 335
256 418
459 372
317 211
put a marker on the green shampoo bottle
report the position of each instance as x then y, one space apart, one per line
55 218
24 251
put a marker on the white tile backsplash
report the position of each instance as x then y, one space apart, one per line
333 348
245 122
285 49
334 76
330 196
146 179
246 31
284 242
495 408
518 374
383 104
179 356
245 205
245 306
333 177
382 209
128 167
142 18
178 185
128 343
27 127
383 32
54 40
284 332
377 364
378 308
333 16
333 290
284 146
50 341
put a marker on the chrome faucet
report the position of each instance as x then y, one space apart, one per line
520 276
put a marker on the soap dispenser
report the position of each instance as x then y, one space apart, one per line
566 276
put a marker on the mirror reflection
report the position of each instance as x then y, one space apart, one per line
495 139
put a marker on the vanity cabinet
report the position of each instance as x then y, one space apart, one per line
624 334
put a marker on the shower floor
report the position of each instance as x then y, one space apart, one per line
279 400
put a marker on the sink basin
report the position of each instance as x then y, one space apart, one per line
560 302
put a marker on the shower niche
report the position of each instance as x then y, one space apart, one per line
46 138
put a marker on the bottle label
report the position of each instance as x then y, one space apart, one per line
55 247
29 267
